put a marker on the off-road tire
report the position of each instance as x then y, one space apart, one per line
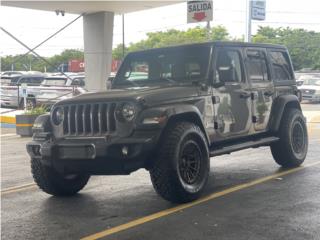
54 183
285 151
166 173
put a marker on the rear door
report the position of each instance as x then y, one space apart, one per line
262 88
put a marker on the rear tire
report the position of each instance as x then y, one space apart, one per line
54 183
292 148
181 169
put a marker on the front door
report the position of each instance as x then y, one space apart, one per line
232 106
258 72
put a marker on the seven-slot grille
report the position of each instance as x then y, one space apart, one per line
308 91
89 119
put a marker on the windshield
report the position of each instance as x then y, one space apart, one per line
312 82
54 82
179 65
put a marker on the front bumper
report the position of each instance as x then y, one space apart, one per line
95 156
313 97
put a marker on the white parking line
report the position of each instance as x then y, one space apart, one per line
8 135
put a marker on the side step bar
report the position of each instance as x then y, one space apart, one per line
240 146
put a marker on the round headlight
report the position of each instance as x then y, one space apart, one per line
128 111
58 115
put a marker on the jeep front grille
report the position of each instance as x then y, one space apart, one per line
89 119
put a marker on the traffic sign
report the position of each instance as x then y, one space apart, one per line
24 89
258 10
199 11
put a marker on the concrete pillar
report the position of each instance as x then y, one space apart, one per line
98 34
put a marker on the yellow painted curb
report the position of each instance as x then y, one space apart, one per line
24 124
9 120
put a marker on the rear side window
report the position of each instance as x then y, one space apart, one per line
281 66
257 67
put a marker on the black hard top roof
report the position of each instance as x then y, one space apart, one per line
215 43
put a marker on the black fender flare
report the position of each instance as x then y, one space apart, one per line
42 124
278 107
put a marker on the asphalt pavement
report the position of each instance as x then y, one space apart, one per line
248 197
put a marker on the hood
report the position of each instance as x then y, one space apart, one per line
150 95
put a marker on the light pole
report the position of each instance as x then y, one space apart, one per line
123 45
248 20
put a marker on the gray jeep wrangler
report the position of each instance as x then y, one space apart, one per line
169 111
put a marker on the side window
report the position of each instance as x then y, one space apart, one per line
33 81
37 80
281 66
138 70
228 67
257 68
24 80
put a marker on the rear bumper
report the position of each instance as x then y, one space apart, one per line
94 156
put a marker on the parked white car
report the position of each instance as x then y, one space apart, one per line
310 89
56 88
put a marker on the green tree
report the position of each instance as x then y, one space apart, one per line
64 57
173 37
303 45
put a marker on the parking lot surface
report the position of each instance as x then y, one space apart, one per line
248 197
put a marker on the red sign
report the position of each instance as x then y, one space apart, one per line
199 11
76 65
115 65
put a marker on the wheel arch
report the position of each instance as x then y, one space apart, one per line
42 124
279 106
186 113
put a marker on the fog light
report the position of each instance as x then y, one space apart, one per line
125 150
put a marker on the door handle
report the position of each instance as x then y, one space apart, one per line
245 95
268 93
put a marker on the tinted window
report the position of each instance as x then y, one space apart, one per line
281 66
256 65
228 67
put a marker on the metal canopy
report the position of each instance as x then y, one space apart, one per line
79 7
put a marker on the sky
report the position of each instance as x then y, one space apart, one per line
33 26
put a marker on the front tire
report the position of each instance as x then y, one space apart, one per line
54 183
180 172
292 148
